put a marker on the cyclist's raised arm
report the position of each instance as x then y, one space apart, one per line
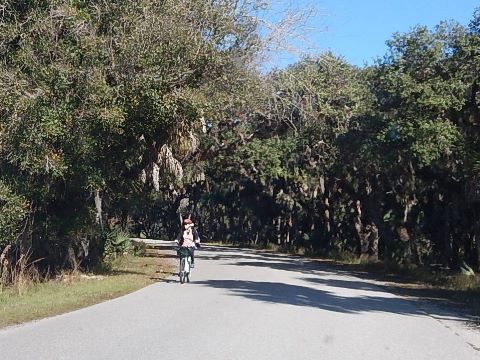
179 238
196 237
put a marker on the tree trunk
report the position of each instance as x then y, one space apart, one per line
288 227
327 216
447 244
477 245
279 230
361 230
374 237
476 239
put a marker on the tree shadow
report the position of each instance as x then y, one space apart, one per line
242 251
123 272
345 284
226 253
229 257
163 280
451 303
313 271
295 265
304 296
160 254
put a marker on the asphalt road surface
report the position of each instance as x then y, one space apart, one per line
243 304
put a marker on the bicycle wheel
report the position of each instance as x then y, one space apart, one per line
189 273
182 271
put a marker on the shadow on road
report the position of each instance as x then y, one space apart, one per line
345 284
450 303
316 274
223 253
305 296
289 294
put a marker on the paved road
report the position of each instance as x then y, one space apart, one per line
246 305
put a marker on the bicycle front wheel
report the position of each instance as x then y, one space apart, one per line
182 271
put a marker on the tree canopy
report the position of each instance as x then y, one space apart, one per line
131 114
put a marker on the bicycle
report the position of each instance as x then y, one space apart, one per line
185 270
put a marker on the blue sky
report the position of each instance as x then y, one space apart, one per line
358 29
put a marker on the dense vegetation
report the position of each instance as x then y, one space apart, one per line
127 115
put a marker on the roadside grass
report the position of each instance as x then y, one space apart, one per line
434 277
71 291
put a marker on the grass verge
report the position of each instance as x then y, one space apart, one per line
74 291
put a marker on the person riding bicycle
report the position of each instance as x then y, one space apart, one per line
188 238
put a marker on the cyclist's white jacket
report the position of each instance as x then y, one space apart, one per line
188 238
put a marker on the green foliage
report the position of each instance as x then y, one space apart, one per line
130 114
117 243
261 159
337 154
13 213
423 141
90 94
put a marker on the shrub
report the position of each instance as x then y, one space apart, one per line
13 209
117 243
17 270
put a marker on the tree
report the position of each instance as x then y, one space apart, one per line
98 95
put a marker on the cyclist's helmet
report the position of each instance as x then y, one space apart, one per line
187 223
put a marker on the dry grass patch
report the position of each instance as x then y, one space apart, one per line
71 291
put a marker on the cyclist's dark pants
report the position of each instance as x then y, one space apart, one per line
191 250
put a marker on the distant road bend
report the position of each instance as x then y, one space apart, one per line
244 304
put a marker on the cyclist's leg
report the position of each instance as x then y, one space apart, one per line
191 250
